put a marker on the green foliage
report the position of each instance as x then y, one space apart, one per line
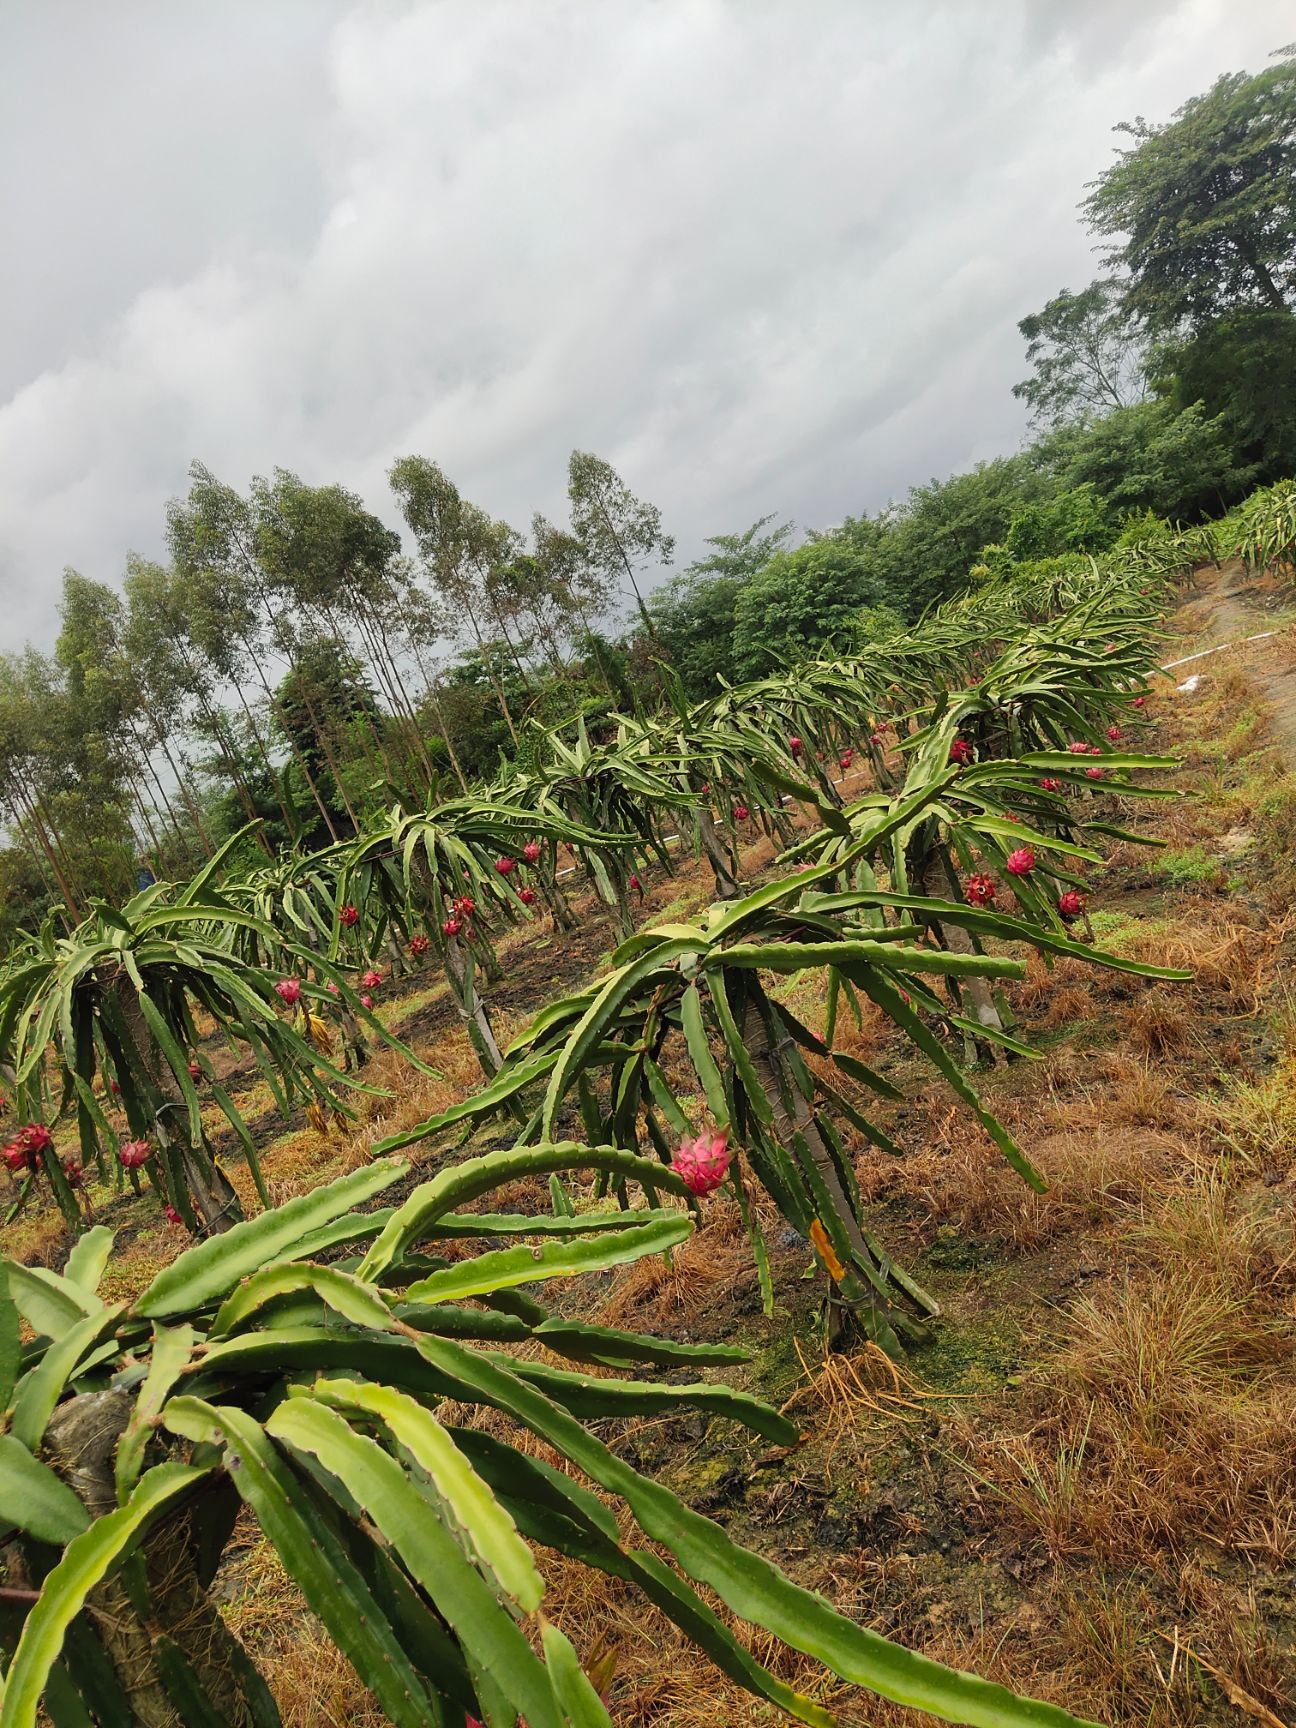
1203 208
801 601
335 1404
1179 464
1085 360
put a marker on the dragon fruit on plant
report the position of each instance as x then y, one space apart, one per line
703 1162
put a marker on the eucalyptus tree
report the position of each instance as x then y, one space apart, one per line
619 532
212 537
159 638
459 546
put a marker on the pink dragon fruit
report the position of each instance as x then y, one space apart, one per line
132 1153
531 851
288 990
1021 862
704 1162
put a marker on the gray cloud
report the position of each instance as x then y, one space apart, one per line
763 257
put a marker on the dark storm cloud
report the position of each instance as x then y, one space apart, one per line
763 256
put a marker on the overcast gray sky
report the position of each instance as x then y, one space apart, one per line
762 254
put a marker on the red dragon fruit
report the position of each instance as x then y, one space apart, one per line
703 1162
451 927
979 889
506 866
288 990
348 916
1114 732
1138 701
1070 905
73 1172
961 751
367 1002
741 812
795 745
371 979
171 1215
531 851
846 758
466 906
195 1072
1050 784
418 946
1078 748
1095 773
527 896
132 1153
1021 862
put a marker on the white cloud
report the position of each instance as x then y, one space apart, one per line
763 257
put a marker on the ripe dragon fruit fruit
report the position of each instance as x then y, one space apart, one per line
527 896
1095 749
704 1162
367 1002
132 1153
1021 862
466 906
371 979
979 889
961 752
36 1137
846 758
288 990
1078 747
332 988
1070 905
348 916
73 1172
506 866
1138 701
1050 784
451 927
171 1215
418 946
1095 773
795 745
635 883
1114 732
741 812
17 1155
195 1072
531 851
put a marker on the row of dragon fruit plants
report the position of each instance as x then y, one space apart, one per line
994 732
295 1366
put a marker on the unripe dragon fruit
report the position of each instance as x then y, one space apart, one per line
704 1162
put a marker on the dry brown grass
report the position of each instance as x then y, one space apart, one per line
1163 1420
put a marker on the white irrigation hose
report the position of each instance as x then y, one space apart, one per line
1240 642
